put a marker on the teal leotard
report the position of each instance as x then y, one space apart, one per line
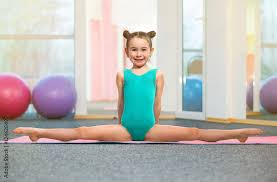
139 96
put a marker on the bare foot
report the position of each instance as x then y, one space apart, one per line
245 133
242 139
31 132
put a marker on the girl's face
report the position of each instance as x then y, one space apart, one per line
139 51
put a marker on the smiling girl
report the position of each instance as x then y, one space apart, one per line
139 105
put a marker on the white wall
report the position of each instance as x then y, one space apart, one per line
94 9
167 50
239 52
135 14
80 56
143 16
225 59
255 8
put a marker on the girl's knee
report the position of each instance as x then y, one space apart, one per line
195 132
81 131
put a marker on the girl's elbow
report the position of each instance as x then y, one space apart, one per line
158 104
120 104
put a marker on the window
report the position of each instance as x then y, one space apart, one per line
269 38
37 38
193 14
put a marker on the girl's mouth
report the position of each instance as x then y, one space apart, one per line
139 60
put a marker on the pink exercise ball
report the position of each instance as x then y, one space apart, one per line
268 95
15 96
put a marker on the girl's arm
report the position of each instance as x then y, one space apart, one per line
119 83
158 97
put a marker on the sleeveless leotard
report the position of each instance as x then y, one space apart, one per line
139 96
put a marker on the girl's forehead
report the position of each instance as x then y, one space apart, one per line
138 41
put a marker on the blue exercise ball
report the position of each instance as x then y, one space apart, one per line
192 94
54 96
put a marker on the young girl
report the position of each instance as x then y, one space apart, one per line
139 106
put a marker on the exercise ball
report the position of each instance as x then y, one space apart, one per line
268 95
249 95
15 96
192 94
54 96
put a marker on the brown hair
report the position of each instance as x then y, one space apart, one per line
143 35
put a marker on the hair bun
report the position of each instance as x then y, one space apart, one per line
126 34
151 34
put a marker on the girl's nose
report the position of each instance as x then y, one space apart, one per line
139 53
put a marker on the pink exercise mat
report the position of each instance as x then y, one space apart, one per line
251 140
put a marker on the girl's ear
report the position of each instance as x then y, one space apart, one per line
152 50
126 51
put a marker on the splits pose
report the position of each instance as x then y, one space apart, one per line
139 105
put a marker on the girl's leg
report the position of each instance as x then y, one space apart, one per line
101 132
168 133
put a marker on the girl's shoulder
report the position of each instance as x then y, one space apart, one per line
159 73
120 73
120 76
159 76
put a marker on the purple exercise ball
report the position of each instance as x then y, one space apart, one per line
268 95
54 96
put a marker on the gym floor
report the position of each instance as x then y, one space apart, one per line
132 162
